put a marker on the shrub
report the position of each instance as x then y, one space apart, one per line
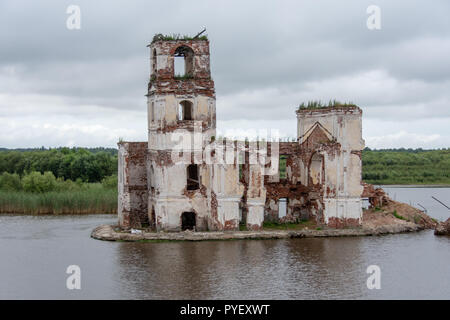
37 182
110 182
10 182
66 185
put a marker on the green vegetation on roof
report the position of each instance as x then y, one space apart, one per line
175 37
317 104
183 77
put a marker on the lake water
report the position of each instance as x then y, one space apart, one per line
35 252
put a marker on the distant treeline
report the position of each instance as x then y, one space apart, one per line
387 166
87 165
37 193
58 181
406 166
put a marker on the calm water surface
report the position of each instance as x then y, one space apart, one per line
35 252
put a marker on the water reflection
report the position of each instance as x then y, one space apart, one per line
36 251
286 269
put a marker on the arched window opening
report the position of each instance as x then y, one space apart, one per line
153 111
185 110
154 62
153 217
152 176
316 169
183 62
193 182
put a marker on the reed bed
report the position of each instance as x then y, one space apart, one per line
90 200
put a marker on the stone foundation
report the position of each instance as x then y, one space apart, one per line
108 233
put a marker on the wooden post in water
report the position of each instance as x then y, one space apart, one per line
441 202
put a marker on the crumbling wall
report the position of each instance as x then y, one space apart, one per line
169 195
376 196
323 167
165 50
132 184
162 80
255 196
323 170
169 135
290 187
336 134
225 183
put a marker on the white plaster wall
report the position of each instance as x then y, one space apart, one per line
166 108
342 171
343 208
345 127
171 180
332 172
228 209
124 206
168 211
354 169
255 214
226 180
162 61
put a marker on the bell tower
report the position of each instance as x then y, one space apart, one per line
180 105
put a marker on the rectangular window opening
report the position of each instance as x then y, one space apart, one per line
282 207
282 166
193 182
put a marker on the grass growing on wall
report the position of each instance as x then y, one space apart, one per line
317 104
176 37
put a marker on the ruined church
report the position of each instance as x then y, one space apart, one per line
218 184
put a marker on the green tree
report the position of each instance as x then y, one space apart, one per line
10 182
38 182
110 182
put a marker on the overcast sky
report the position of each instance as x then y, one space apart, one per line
61 87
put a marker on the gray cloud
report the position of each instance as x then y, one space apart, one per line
60 87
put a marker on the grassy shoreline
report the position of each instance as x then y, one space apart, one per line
84 181
89 201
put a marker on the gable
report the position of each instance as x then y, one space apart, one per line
315 136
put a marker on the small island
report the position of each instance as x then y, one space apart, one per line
386 217
217 189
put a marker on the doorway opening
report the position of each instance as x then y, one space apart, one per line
188 221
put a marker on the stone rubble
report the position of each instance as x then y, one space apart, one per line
443 228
